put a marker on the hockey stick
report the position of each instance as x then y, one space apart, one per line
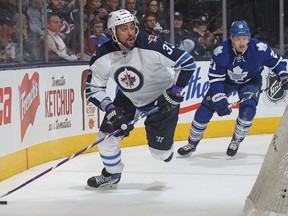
280 84
143 115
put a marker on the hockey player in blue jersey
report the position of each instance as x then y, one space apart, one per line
236 65
149 72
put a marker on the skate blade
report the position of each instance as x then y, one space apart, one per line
230 157
184 156
102 187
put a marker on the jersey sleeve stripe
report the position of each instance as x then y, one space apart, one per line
216 80
186 61
216 75
280 60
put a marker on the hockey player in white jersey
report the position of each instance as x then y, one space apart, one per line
141 65
236 66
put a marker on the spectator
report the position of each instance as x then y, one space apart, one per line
94 9
35 15
131 7
112 5
8 8
152 6
61 8
11 10
24 30
179 31
8 48
73 40
97 36
163 14
218 31
24 19
199 26
141 9
150 25
75 11
161 7
57 47
199 47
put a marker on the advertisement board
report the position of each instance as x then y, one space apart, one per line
44 104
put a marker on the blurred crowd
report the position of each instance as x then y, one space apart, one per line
56 27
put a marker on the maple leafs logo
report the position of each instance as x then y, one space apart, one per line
237 74
262 46
218 50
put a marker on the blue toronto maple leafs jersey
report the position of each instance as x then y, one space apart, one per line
229 67
142 74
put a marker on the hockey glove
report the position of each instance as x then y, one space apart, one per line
283 78
221 104
169 100
115 117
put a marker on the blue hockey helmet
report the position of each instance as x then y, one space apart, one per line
239 28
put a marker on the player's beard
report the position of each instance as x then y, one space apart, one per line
129 43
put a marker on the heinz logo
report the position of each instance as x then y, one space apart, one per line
5 105
29 101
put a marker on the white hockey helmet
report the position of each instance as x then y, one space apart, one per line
119 17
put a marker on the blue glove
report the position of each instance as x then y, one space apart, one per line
221 105
170 99
283 78
115 117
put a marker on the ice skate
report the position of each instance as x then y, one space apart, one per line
105 180
186 150
232 149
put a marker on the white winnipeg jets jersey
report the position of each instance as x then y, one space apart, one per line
142 74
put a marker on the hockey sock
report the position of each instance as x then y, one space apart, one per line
242 128
196 132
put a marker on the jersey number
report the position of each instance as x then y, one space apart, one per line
212 65
273 54
166 47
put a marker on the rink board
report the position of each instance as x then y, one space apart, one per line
44 115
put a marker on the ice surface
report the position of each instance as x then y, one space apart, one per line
205 184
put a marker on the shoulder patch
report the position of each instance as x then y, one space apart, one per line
218 50
152 38
262 46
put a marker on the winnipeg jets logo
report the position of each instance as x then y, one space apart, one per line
152 38
128 79
237 74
